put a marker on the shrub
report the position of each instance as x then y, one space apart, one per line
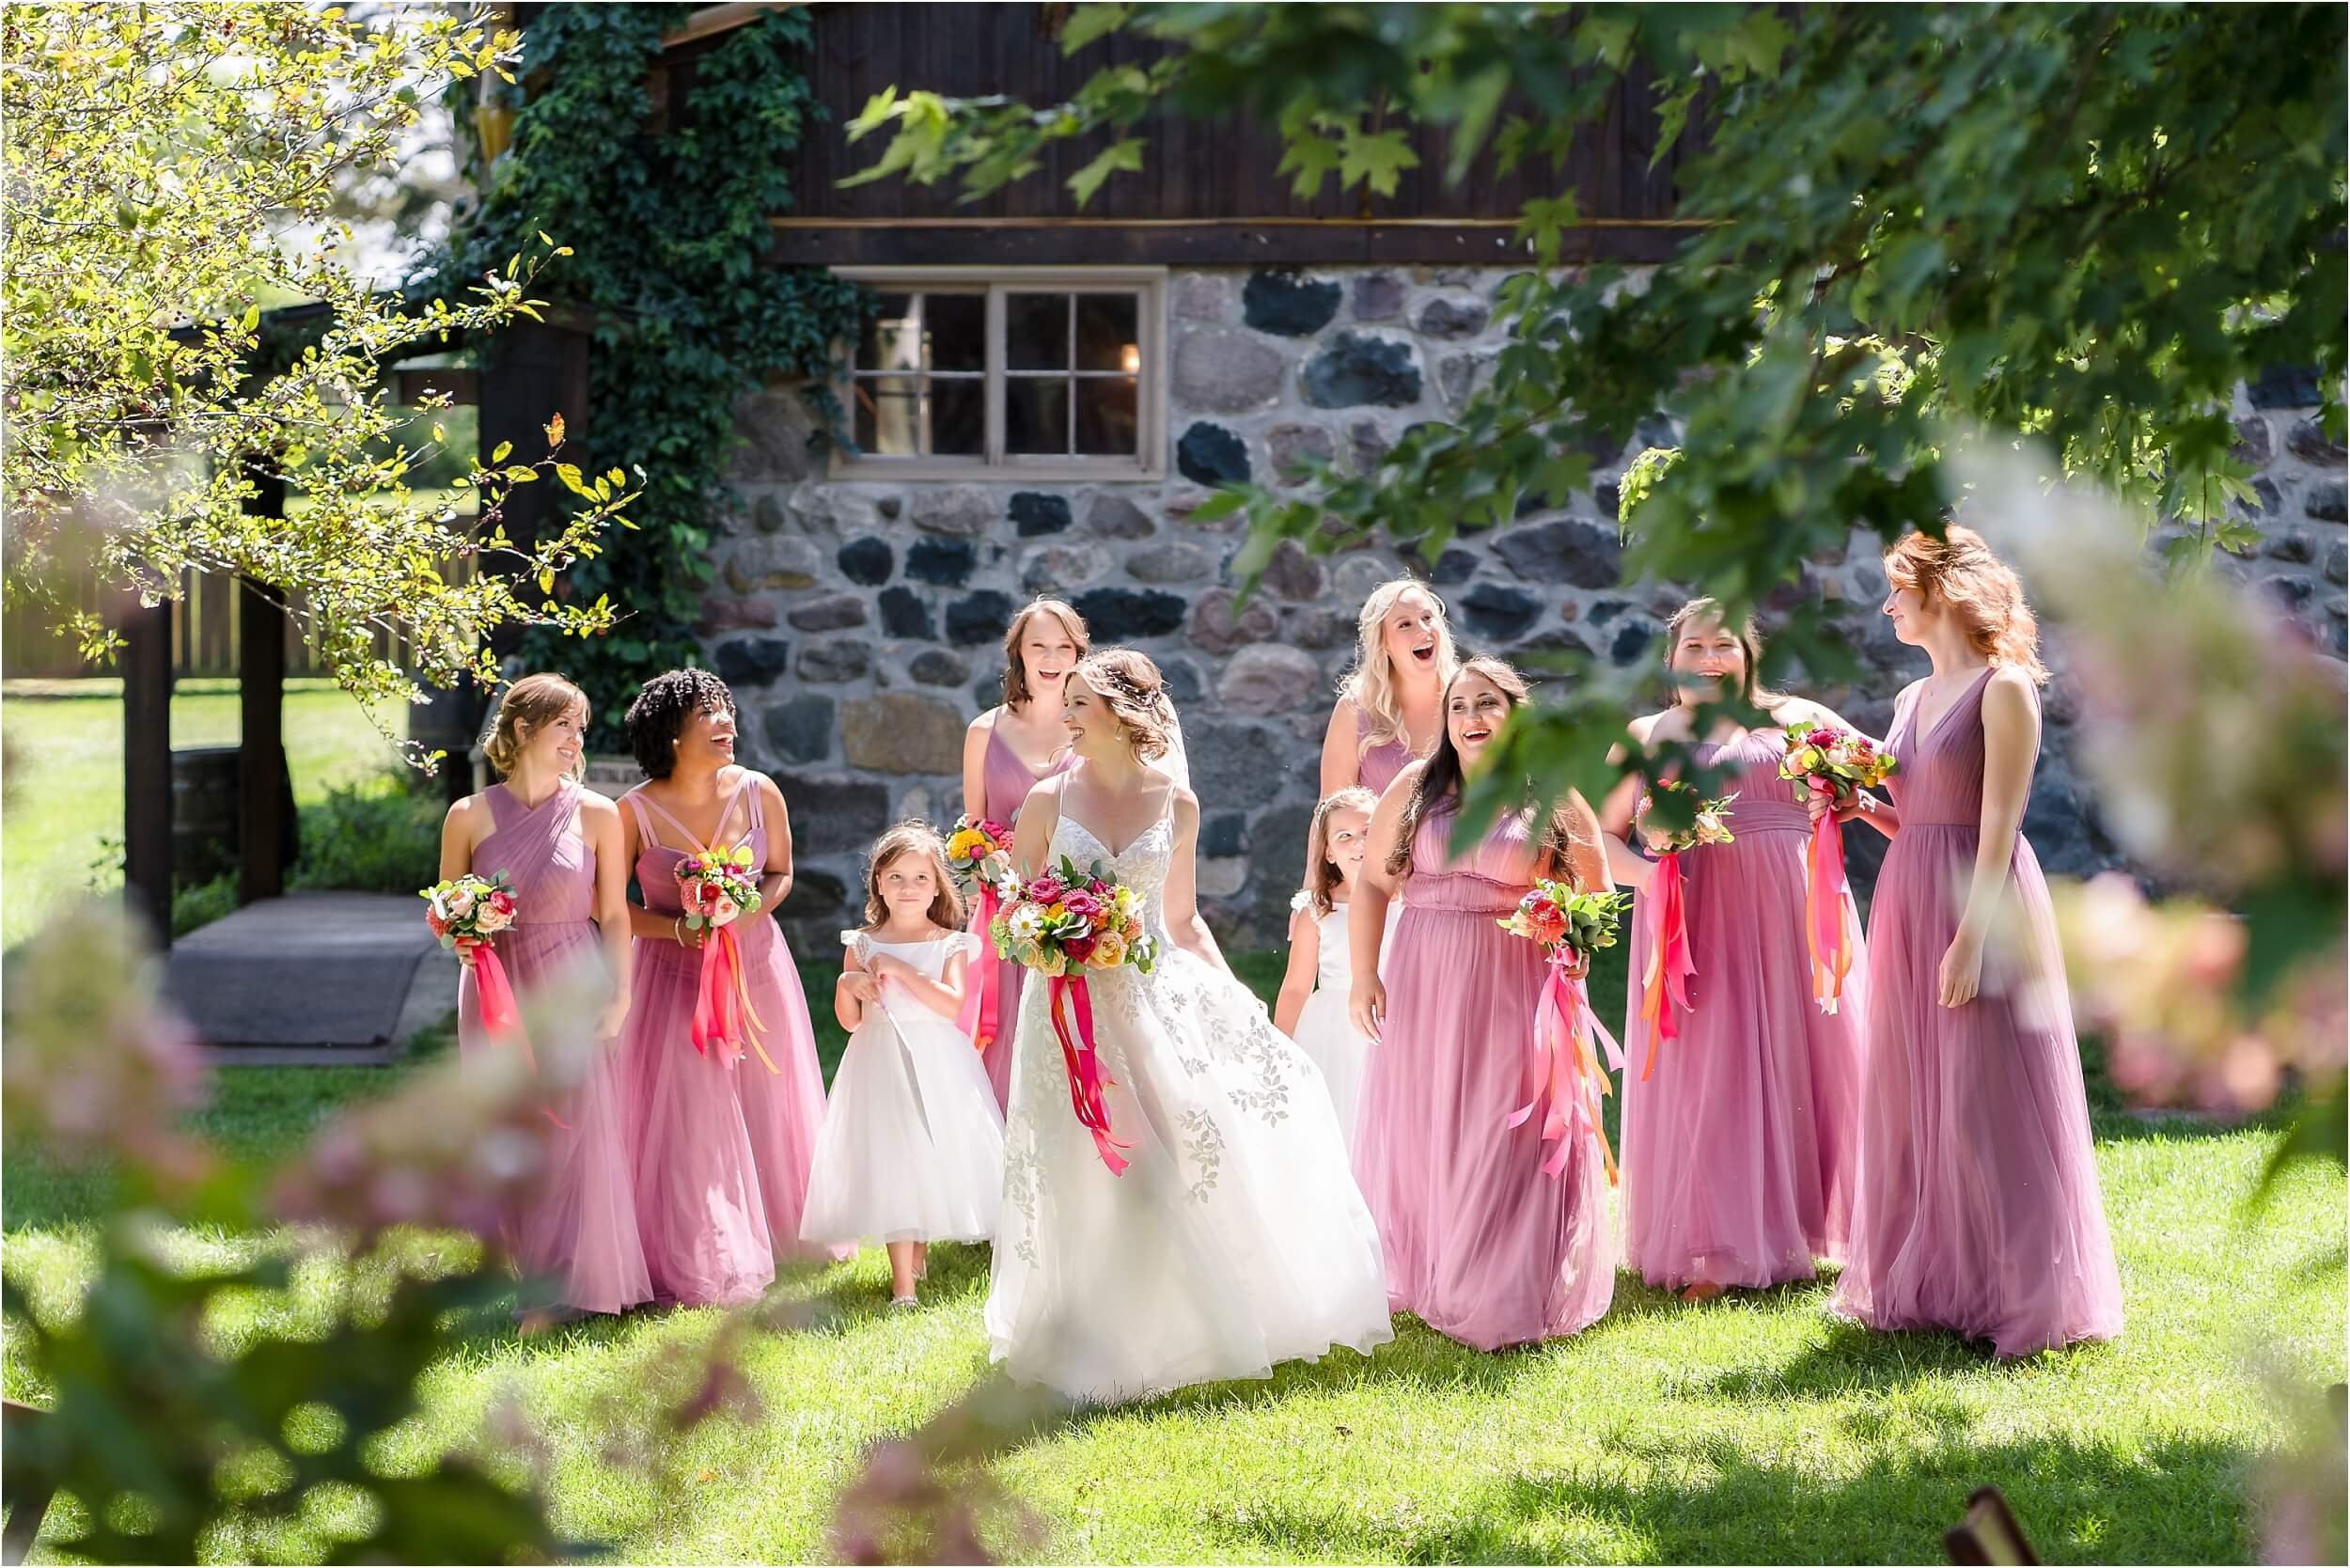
372 837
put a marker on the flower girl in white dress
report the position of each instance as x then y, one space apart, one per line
1312 1008
911 1149
1234 1236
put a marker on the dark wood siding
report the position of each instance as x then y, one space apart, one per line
1208 194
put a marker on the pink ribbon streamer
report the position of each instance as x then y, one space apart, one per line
1664 988
1073 1013
1570 1076
1825 928
502 1015
983 999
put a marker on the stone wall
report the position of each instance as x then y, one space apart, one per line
860 623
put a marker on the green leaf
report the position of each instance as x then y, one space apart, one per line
1089 23
1378 159
1122 156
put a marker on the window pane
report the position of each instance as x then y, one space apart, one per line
959 418
957 327
1107 339
886 415
1107 422
1036 332
1036 416
892 340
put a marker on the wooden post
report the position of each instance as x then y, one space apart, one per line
146 763
261 823
261 745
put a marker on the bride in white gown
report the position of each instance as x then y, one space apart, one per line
1236 1237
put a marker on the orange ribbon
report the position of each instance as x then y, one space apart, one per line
1826 926
1664 988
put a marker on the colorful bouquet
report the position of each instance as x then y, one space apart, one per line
719 887
473 909
1664 984
1062 924
1828 760
979 857
1569 925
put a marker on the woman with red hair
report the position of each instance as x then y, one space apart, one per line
1977 1208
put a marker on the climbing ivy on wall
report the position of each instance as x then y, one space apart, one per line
668 227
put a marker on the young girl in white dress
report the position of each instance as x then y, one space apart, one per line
1311 1009
911 1149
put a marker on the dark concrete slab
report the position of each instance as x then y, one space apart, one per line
313 977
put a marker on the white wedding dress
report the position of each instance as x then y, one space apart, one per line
1236 1237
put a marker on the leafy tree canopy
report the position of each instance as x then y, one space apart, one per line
2082 223
163 163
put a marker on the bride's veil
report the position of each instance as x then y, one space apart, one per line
1174 763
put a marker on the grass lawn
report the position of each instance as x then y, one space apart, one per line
64 786
1753 1429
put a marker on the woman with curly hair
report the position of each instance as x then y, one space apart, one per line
726 1131
1979 1209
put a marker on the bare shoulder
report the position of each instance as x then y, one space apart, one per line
599 810
1046 791
1799 710
463 813
2011 689
1645 728
1345 714
981 727
1185 804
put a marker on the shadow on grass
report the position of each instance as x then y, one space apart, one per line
1703 1500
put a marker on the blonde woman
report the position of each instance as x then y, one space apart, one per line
574 1239
1005 752
1390 707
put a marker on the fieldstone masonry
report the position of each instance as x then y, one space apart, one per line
858 622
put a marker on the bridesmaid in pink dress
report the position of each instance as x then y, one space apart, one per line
1390 708
574 1236
1979 1209
1006 753
723 1143
1738 1147
1482 1245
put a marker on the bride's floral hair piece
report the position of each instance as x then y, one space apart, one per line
1129 683
1322 873
1016 689
916 838
1442 777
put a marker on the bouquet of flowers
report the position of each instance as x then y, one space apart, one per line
1829 760
717 887
473 909
1664 984
1570 925
979 857
1062 924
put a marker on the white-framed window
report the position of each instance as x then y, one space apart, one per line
1030 372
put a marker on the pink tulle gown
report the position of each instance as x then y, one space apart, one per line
1738 1147
1977 1208
1379 764
575 1235
723 1147
1007 781
1482 1245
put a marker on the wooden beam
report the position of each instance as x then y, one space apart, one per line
1219 242
145 658
704 22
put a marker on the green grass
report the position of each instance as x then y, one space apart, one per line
1753 1429
64 783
